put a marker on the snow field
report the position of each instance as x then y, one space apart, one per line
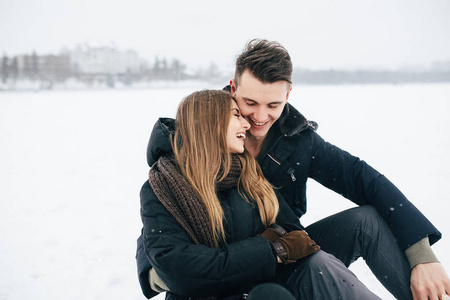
72 164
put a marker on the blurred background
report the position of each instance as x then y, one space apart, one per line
52 44
83 82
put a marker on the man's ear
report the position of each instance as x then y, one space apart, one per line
233 87
289 90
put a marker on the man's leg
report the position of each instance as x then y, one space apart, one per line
269 291
361 232
322 276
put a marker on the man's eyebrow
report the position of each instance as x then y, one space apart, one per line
248 99
273 102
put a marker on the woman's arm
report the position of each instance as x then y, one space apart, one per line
197 270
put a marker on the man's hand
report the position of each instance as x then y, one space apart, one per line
429 281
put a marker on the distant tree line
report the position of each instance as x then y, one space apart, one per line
435 75
54 69
107 66
94 66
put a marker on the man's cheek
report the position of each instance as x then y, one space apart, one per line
245 112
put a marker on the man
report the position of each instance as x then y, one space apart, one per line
386 229
280 138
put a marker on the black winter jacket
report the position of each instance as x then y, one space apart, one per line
298 153
192 270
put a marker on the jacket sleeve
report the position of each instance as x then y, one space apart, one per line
286 217
362 184
190 269
143 269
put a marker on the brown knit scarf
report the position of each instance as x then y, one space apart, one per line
180 199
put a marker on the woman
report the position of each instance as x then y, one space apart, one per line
213 226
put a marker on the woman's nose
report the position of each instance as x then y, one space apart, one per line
245 123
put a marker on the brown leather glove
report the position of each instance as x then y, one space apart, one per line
294 245
273 232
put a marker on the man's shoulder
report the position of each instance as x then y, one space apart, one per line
292 122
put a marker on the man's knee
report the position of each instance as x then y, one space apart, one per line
320 261
366 213
351 221
367 220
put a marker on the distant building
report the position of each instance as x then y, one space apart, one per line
43 67
96 60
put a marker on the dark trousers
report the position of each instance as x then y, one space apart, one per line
263 291
344 237
269 291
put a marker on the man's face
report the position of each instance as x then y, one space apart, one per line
260 103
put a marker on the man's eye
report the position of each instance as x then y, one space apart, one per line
251 104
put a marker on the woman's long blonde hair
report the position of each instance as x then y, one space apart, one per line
201 149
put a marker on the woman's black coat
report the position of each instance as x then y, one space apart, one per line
195 270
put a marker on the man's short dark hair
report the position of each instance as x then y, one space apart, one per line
268 61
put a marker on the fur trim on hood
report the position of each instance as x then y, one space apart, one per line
292 121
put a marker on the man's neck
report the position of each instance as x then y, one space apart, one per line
253 144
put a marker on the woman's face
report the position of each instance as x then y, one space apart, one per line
236 130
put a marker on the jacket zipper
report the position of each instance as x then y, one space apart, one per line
291 172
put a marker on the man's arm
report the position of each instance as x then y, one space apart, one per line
357 181
420 253
428 277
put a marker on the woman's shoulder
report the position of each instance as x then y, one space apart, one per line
147 194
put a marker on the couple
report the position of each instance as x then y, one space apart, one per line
214 226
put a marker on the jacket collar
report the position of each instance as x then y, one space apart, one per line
292 122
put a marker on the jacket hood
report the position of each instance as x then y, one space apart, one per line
291 120
159 143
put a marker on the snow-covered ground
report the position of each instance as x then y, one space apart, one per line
72 163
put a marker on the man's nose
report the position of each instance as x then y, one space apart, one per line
260 114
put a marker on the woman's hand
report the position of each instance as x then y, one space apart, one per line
290 246
294 245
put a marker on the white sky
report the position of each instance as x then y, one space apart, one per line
318 34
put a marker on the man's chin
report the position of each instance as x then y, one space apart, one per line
258 133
